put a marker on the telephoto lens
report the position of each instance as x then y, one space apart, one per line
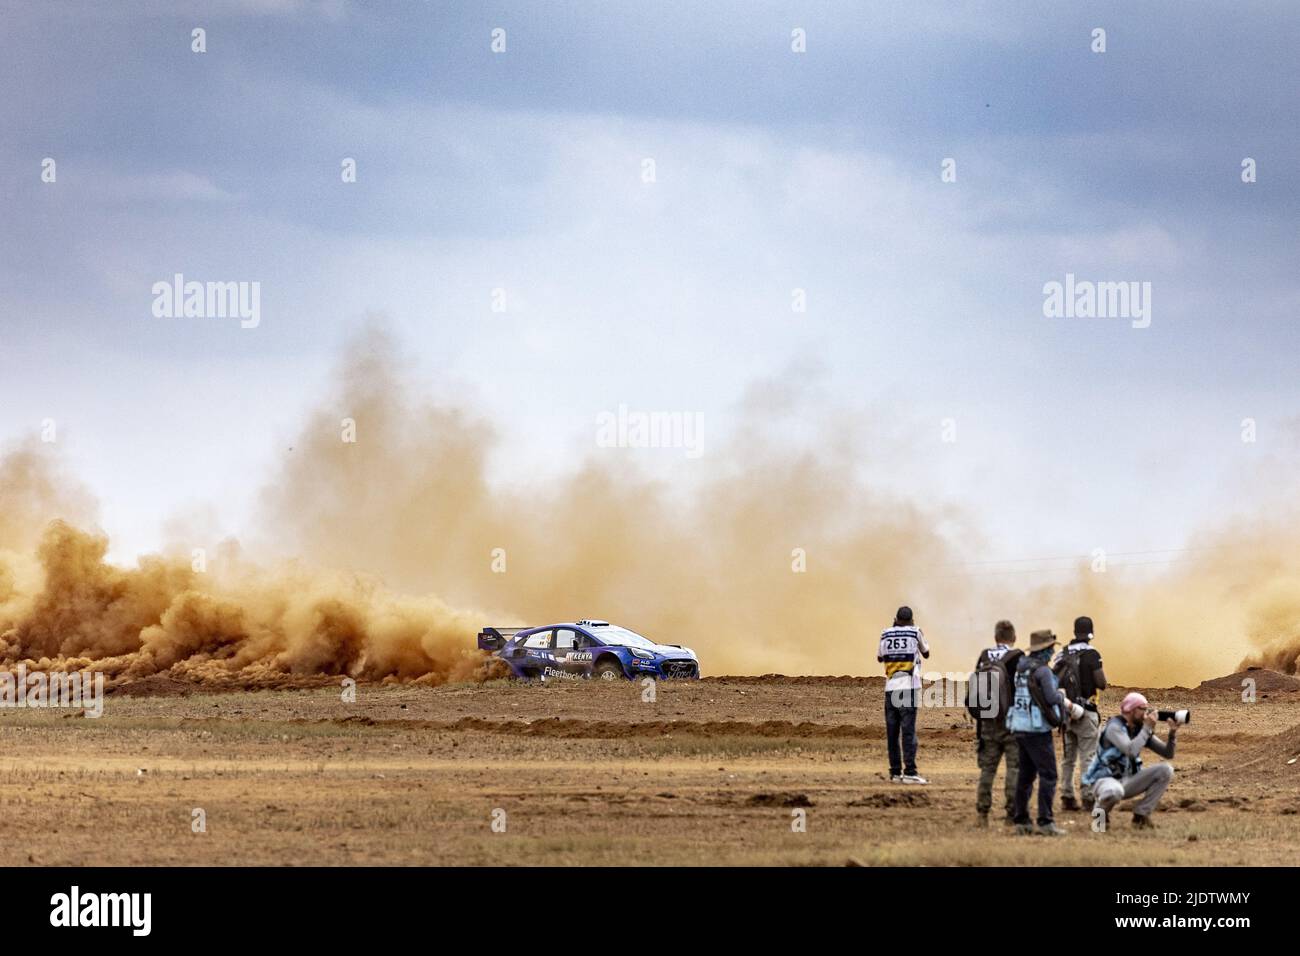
1177 716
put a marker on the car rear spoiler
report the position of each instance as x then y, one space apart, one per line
495 638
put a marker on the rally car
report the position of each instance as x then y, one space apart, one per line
586 649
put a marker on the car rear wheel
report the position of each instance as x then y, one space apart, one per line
608 670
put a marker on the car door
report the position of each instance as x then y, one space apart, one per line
539 653
571 651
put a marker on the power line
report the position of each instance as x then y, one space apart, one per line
1109 567
1090 557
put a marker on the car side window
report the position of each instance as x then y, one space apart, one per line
565 639
538 640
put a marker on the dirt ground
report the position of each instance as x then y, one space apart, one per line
709 772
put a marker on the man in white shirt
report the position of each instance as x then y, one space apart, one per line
902 647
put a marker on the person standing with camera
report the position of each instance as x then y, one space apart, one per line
1079 675
1116 773
1037 707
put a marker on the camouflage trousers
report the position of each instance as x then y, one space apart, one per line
995 741
1080 747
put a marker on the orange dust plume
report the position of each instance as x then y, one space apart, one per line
241 625
772 553
763 558
768 556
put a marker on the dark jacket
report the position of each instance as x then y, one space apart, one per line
1092 679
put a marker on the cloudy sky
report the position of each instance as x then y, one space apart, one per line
774 170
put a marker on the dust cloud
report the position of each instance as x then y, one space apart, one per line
64 607
380 559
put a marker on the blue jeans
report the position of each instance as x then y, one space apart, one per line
900 722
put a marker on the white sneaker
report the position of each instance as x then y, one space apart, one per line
895 778
913 778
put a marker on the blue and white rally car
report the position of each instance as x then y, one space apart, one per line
586 649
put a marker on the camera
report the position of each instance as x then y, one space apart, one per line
1177 716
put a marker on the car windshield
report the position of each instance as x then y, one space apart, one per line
621 636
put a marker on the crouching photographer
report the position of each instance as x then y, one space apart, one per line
1116 772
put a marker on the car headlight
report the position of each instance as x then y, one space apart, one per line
642 654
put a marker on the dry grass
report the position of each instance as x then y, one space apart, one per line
296 778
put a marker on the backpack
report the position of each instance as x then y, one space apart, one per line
1069 674
997 675
1029 713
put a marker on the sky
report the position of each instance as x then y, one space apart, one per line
524 170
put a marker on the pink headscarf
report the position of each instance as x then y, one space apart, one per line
1131 700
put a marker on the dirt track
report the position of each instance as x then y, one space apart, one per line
708 773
